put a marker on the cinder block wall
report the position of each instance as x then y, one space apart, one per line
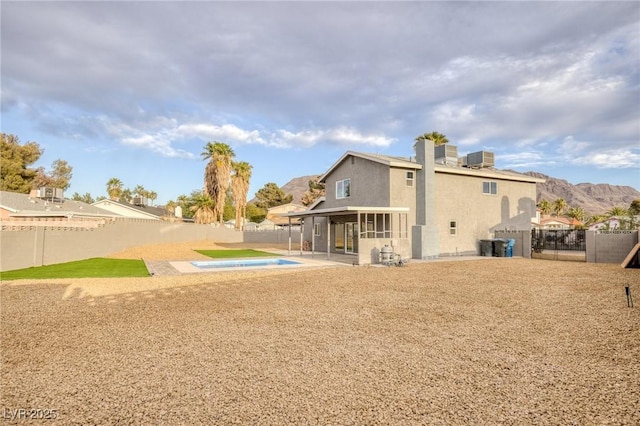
611 246
37 246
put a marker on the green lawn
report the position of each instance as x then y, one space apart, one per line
98 267
227 254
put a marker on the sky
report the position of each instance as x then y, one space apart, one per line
134 90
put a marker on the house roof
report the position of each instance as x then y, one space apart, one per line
405 162
387 160
487 172
24 205
156 212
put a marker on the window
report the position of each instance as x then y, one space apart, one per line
317 229
343 188
490 187
453 227
409 178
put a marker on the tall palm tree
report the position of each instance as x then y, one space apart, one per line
617 211
114 189
239 189
437 138
545 207
577 213
153 195
217 174
203 209
559 205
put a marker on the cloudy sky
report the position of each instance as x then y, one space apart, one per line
134 90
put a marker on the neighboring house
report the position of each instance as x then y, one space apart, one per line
560 222
274 214
50 209
137 211
422 208
609 224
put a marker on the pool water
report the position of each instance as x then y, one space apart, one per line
242 263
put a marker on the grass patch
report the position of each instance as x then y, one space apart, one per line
228 254
98 267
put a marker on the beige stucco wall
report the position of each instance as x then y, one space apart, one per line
478 216
369 183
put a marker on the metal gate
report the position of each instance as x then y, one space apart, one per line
558 239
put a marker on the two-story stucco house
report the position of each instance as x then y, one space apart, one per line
422 208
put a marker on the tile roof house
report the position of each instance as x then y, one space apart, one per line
422 208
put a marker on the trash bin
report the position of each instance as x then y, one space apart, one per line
499 247
510 243
486 248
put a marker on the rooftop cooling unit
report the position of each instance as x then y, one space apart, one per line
51 193
446 154
480 159
140 201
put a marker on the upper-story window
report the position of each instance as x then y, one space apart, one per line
410 177
490 187
343 188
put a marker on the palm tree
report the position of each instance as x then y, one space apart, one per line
617 211
217 174
577 213
545 207
240 188
114 189
437 138
559 205
203 209
153 195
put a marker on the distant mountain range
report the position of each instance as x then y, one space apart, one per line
593 198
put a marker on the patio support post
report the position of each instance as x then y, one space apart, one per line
328 236
313 235
301 234
289 250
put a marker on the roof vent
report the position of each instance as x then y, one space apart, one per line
446 154
480 159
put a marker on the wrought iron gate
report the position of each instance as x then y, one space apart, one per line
558 239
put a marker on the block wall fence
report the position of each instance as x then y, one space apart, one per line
45 245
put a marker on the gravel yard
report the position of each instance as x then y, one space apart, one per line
495 341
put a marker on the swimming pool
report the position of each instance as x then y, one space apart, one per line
242 263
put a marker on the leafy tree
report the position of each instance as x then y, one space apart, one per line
255 214
634 207
114 189
218 174
545 207
126 196
271 195
559 206
60 176
315 191
15 159
86 198
240 189
437 138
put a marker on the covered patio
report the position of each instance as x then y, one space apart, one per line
356 232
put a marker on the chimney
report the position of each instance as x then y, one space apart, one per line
425 239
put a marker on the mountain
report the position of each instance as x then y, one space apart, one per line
298 186
593 198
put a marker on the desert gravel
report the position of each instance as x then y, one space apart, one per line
495 341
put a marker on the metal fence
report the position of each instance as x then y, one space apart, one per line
558 239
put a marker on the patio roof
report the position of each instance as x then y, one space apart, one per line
340 211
